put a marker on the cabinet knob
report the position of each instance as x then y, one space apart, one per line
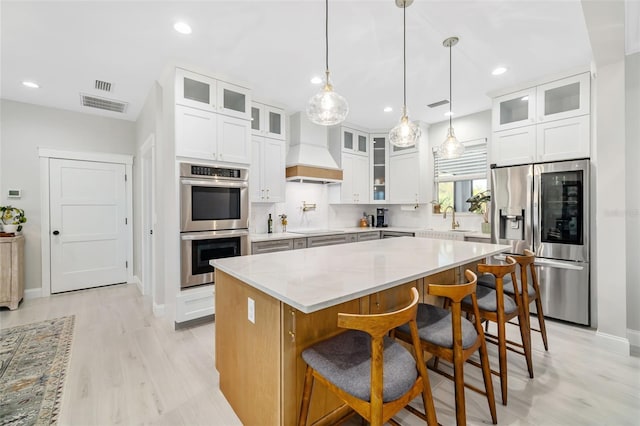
56 232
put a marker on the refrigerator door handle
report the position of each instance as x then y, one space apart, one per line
574 266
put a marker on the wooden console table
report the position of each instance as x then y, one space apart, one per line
11 271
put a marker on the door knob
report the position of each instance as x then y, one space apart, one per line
56 232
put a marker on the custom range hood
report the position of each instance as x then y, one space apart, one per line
309 159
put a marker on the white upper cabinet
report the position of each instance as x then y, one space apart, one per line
404 179
209 136
514 110
354 141
207 93
267 170
566 98
549 122
379 169
267 120
355 179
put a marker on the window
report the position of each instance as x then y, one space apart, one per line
458 179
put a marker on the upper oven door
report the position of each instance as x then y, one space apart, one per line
213 204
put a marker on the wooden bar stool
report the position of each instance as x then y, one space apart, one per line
372 373
530 290
494 305
446 334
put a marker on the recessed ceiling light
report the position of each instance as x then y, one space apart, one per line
316 80
31 84
448 113
182 27
499 70
388 109
524 98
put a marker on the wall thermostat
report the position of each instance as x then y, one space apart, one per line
14 193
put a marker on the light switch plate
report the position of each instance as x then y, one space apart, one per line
251 310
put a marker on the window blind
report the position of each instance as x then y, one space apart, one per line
470 165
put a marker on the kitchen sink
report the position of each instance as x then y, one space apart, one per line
459 230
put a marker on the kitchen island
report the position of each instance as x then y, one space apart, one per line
270 307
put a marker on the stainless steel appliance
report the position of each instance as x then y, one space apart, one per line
546 207
214 215
213 198
382 217
198 248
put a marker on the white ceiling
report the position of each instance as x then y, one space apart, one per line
277 46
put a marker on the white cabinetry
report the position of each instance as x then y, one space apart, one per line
355 179
267 120
353 141
548 122
207 93
379 169
209 136
404 179
267 170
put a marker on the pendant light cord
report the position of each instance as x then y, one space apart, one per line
450 99
326 37
404 55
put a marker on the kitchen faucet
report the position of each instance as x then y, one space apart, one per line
454 224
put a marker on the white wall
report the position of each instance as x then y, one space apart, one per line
25 127
632 86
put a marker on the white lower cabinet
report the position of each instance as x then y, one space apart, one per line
564 139
210 136
355 179
514 146
267 170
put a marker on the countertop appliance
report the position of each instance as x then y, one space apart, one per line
382 217
545 207
214 211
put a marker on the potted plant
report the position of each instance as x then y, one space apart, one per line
12 218
479 205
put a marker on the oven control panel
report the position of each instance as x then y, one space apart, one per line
198 170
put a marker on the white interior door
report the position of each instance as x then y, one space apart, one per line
88 224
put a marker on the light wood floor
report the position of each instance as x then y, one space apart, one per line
128 367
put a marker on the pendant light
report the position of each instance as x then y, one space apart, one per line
451 147
406 133
327 108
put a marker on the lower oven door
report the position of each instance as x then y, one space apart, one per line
198 248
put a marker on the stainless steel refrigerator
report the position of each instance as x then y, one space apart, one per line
545 207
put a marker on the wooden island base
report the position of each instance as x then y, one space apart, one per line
261 370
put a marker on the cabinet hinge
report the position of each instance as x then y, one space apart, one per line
126 221
126 264
125 177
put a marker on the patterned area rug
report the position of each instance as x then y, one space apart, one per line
33 363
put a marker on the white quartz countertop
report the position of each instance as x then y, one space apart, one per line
317 278
255 237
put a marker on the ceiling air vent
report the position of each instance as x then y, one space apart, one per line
103 85
437 104
103 103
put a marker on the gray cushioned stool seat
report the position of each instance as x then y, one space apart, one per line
487 300
434 326
489 280
345 361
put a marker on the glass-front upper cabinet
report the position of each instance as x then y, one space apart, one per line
195 90
267 120
379 169
206 93
355 141
569 97
514 110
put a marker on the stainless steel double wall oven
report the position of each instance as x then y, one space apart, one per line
214 210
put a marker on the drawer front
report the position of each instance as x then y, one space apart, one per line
271 246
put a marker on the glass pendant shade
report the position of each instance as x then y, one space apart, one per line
451 147
406 133
327 107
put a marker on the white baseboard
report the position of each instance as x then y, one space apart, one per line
634 337
614 344
158 310
138 284
32 293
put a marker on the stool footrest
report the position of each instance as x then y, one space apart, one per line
466 385
338 415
